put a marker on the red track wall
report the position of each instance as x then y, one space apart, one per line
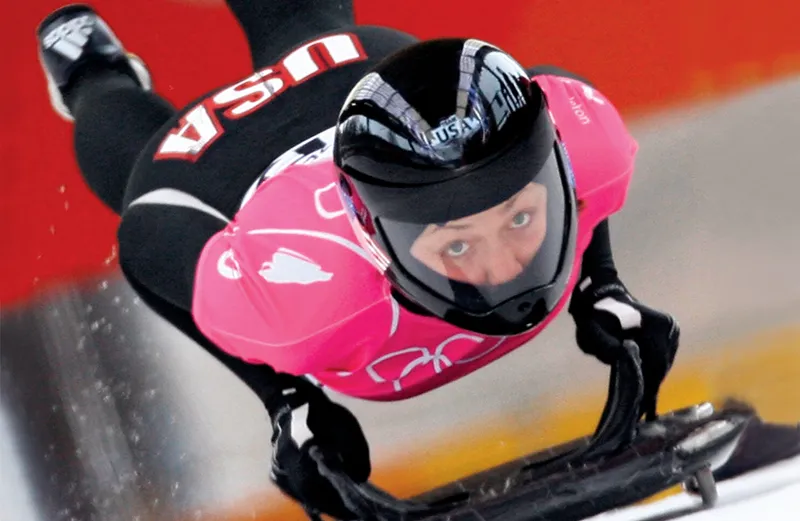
642 54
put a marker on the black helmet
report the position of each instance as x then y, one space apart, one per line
458 184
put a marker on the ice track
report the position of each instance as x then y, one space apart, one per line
771 494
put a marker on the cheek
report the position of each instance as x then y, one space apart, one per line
460 271
418 250
430 255
427 256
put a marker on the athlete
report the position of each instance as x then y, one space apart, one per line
364 212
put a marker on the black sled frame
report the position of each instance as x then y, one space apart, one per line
623 462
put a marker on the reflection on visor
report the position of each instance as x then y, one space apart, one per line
483 259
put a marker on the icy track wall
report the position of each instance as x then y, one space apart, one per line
108 414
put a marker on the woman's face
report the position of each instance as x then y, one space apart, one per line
491 247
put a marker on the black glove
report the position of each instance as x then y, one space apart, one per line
606 314
304 417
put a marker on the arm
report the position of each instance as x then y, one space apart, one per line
606 315
598 261
159 245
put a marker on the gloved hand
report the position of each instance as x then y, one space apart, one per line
606 314
304 417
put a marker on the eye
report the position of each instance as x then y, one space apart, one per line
457 248
520 219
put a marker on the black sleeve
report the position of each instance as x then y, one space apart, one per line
556 71
159 248
598 261
160 244
259 378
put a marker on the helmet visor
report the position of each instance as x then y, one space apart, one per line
481 260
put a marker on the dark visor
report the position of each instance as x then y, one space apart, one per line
484 259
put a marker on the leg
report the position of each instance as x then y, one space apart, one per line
114 120
94 82
106 93
274 26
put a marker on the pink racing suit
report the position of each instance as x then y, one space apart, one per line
288 284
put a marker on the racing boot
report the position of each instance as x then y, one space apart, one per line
74 41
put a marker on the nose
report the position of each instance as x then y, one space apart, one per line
503 266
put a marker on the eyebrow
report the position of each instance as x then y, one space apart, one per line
453 226
508 204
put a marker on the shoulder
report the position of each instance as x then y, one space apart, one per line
280 280
600 147
554 70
